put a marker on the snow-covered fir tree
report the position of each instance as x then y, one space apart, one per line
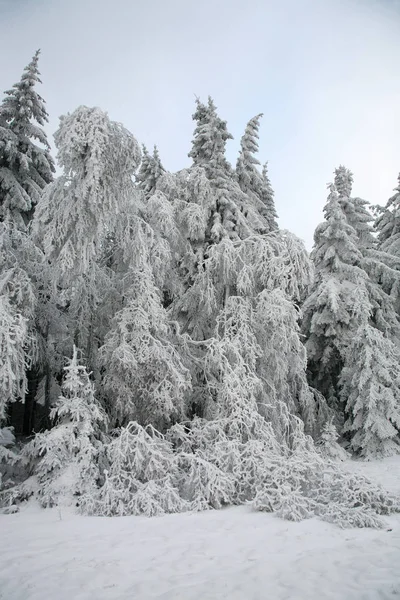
267 196
328 444
21 286
143 372
370 388
355 209
383 277
337 301
208 151
348 301
79 210
388 224
255 184
65 460
150 171
26 166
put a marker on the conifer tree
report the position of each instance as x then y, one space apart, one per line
355 209
208 151
328 445
22 285
388 224
80 209
370 389
26 166
255 184
150 171
65 459
383 279
337 300
267 196
143 373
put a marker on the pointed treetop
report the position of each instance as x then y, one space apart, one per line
267 198
249 139
158 166
245 165
22 103
210 136
335 239
26 167
343 181
356 209
151 169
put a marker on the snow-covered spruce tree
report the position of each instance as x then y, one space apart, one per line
337 301
64 460
267 196
20 264
355 209
150 171
328 444
79 210
26 166
388 224
381 267
255 184
143 375
370 389
208 151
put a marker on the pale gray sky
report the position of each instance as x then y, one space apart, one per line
325 73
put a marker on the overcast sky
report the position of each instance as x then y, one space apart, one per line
325 73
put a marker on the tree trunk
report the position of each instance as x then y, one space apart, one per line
30 401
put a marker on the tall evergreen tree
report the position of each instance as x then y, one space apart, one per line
267 196
74 218
208 151
355 209
383 279
337 300
150 171
261 211
143 372
65 458
25 167
370 389
388 224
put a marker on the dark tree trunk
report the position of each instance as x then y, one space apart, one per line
30 401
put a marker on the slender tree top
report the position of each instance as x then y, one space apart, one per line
150 171
22 103
343 181
26 168
210 136
246 163
335 239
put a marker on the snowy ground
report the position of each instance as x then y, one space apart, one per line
234 554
